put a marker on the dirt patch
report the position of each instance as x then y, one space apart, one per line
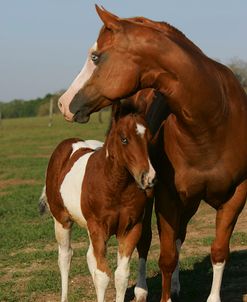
15 182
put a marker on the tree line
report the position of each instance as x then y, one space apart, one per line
41 106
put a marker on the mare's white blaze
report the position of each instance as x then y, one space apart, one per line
218 269
121 277
175 285
78 83
92 144
141 289
140 129
71 189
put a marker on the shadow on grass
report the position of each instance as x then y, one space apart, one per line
196 282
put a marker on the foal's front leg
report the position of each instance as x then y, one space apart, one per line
127 244
96 259
64 256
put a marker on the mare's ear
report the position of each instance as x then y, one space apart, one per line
110 21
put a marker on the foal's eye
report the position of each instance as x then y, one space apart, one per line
124 140
95 57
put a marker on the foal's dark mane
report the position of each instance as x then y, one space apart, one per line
121 109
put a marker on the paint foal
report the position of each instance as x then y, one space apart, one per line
97 189
202 150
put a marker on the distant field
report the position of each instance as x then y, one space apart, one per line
28 251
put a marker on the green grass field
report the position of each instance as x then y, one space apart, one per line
28 251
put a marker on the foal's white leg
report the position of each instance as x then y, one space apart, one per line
141 289
121 277
218 270
100 279
64 256
175 284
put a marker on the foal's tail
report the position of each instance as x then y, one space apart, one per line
43 202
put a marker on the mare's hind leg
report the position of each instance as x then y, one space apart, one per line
226 218
127 243
96 259
64 256
141 290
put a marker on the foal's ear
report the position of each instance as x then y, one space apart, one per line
110 21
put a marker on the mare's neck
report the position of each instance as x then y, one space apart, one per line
189 80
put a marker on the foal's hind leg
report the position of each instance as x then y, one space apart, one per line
127 244
64 256
226 218
141 290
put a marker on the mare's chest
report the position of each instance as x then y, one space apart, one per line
209 168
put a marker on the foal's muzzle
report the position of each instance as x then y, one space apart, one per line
146 180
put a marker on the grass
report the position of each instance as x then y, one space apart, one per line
28 252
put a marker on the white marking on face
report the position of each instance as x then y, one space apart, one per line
218 269
140 129
71 189
77 84
141 289
106 153
92 144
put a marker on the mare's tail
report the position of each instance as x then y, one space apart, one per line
43 202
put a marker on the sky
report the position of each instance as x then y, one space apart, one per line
44 43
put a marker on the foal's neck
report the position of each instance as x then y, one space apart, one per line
114 170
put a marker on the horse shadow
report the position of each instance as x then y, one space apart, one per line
196 282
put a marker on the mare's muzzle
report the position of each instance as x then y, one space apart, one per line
79 107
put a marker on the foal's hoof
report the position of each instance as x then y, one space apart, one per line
141 294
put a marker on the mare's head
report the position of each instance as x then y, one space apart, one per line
112 68
127 143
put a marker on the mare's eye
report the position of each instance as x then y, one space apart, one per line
124 140
95 57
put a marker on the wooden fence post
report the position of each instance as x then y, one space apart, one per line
51 113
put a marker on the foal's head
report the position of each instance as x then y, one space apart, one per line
127 143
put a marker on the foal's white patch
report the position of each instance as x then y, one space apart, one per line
218 269
71 189
140 129
92 144
121 277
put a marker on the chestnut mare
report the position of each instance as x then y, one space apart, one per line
202 146
98 190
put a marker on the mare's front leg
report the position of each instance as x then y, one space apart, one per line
143 245
64 256
168 214
96 259
226 218
127 243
